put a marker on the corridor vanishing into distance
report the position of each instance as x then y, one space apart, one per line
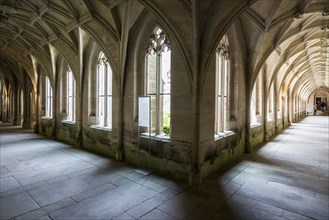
287 178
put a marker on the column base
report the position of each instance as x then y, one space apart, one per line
27 123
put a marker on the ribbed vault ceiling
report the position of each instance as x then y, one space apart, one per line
291 36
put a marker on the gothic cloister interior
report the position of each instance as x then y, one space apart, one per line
164 109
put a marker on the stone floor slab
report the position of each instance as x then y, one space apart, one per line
181 205
8 183
156 215
291 201
16 205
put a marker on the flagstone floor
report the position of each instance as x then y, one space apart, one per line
287 178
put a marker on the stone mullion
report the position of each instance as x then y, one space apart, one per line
37 104
275 106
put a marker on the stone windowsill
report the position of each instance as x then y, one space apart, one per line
224 134
68 122
159 137
255 125
98 127
47 118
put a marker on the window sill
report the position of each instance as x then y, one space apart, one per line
98 127
255 125
47 118
68 122
224 134
159 137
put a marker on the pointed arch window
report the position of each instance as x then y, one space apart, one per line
71 96
49 99
253 107
158 81
104 92
222 74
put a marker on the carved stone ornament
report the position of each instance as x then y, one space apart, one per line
158 42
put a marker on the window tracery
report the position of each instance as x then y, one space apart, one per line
49 99
71 96
104 92
222 74
158 81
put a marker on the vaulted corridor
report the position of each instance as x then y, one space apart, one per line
287 178
91 90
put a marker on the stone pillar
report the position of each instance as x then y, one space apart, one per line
1 104
37 105
26 113
27 122
123 57
288 106
247 122
15 108
265 110
195 175
10 107
4 107
276 105
283 101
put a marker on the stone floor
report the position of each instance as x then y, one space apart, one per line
285 179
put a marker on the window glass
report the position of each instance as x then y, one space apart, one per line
222 74
71 96
49 99
158 81
104 92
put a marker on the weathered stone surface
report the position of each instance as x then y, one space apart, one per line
62 182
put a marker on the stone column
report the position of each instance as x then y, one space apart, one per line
27 122
288 107
265 110
276 104
123 57
26 111
1 104
195 175
37 105
16 108
282 108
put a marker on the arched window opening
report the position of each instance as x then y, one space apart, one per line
49 99
259 98
71 96
222 75
253 106
104 92
158 81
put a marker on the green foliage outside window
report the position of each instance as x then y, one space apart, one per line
166 124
